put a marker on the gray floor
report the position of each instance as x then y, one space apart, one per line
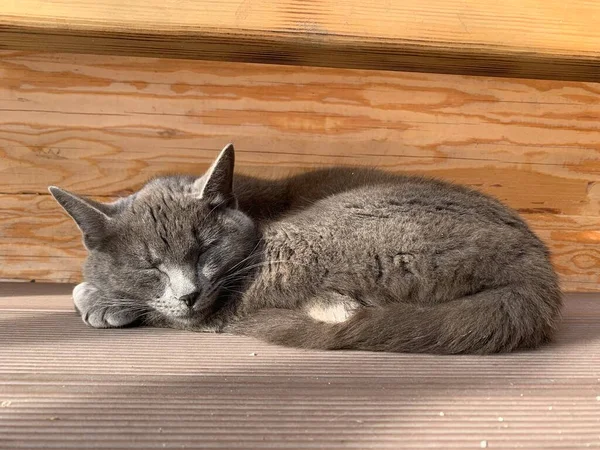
63 385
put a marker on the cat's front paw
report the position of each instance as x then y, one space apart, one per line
92 305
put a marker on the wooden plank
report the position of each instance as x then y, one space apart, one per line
64 385
575 245
525 38
39 242
103 125
46 297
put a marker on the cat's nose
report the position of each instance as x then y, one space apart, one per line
190 299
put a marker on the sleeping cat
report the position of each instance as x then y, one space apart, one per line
331 259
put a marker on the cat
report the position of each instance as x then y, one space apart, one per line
337 258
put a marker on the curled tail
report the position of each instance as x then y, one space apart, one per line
491 321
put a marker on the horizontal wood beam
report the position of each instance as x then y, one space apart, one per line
549 39
103 125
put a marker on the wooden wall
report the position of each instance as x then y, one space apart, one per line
101 125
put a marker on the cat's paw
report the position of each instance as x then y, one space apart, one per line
94 311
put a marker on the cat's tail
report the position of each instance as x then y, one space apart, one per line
491 321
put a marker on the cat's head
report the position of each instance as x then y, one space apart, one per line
170 246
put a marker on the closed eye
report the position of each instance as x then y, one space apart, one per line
153 265
151 273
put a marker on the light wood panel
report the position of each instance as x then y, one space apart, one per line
102 125
528 38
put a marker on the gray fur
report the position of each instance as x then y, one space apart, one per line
332 259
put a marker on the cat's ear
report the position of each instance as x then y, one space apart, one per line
92 218
216 185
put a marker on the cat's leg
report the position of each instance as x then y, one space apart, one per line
99 312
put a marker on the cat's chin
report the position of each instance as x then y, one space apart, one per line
193 322
187 318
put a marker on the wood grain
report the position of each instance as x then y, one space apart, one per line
103 125
525 38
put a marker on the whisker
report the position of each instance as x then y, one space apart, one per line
250 255
262 264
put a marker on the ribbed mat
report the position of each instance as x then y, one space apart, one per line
63 385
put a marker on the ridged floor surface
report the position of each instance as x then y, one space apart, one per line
64 385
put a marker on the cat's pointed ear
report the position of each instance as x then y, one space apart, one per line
92 218
216 185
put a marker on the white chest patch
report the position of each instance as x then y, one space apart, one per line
337 312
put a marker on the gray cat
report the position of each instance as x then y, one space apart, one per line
331 259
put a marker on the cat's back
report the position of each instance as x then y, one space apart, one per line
368 196
413 214
336 191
